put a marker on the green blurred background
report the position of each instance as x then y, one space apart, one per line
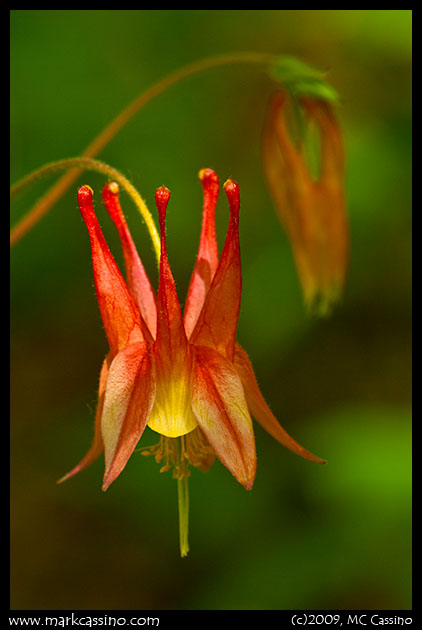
332 537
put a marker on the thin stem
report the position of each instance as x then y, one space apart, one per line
104 169
183 499
60 187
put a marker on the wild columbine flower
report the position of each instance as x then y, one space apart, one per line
312 210
182 375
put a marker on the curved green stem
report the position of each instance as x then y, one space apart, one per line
104 169
60 187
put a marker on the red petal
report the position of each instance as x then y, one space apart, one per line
171 351
171 343
207 259
219 405
97 446
275 171
217 322
129 399
292 157
119 312
260 410
138 281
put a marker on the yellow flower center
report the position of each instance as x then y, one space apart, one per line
172 414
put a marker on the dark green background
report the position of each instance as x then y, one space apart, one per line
337 536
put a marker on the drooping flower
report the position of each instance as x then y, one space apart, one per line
311 208
183 375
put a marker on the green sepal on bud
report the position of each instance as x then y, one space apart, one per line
301 79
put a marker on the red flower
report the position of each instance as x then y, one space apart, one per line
312 210
182 375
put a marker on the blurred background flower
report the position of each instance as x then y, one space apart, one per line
337 536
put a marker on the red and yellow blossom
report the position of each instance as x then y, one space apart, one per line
311 209
183 375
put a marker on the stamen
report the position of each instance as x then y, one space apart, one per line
177 454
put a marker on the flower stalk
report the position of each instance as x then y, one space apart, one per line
183 374
41 208
84 163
